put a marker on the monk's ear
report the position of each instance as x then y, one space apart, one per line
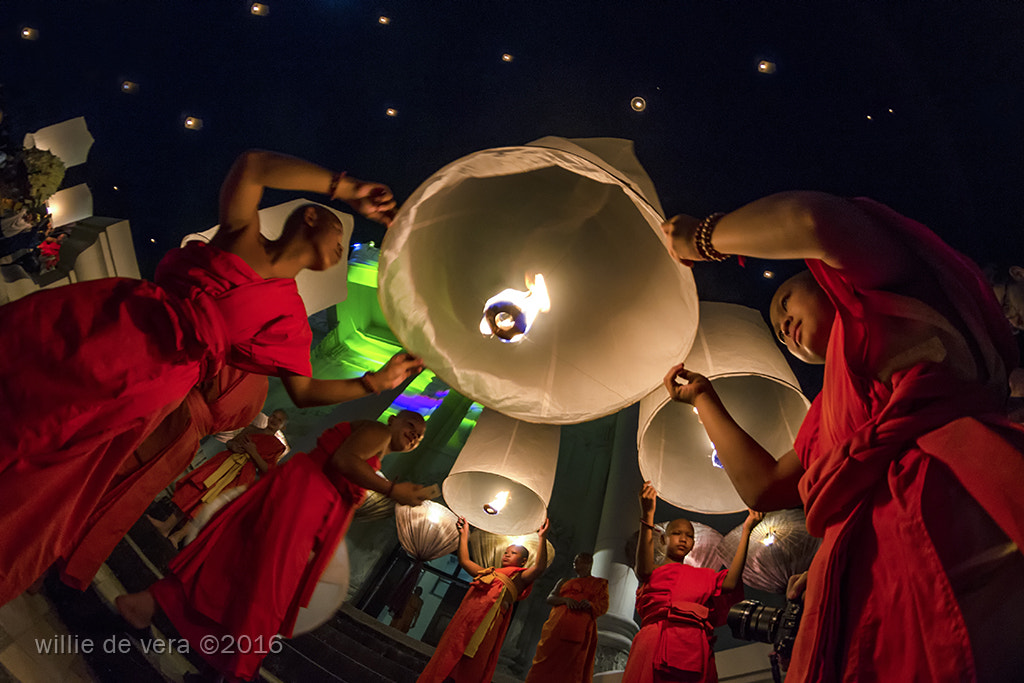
309 216
1017 273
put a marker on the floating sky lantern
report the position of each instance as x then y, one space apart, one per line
129 87
426 531
70 140
638 104
780 546
259 9
507 57
766 67
193 123
29 33
509 314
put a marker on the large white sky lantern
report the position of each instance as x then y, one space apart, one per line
426 531
735 349
70 140
502 479
317 289
486 548
581 216
780 546
328 595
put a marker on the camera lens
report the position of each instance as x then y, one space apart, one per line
752 620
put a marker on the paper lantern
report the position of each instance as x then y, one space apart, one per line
70 205
780 546
259 9
736 350
585 216
69 140
427 531
317 289
328 594
486 548
502 479
375 506
193 123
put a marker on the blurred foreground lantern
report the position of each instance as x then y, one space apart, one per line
317 289
486 548
585 215
328 595
735 350
426 531
780 546
705 546
70 140
375 505
502 479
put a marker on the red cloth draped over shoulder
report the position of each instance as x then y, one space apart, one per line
250 569
879 601
90 369
231 400
448 660
190 489
679 608
568 639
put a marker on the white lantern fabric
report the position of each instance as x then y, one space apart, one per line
70 140
736 350
70 205
318 289
705 546
427 531
504 456
583 214
780 546
486 548
375 505
328 594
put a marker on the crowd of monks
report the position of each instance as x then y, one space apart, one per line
905 464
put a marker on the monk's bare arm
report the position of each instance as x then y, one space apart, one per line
734 576
306 392
349 461
471 567
533 573
554 599
645 540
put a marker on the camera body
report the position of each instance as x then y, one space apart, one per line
753 620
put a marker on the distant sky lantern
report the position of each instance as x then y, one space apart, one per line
583 214
29 33
766 67
638 104
510 314
391 112
129 87
768 274
259 9
507 57
70 140
383 20
193 123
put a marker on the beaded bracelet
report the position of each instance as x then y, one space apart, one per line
365 381
335 180
702 239
644 522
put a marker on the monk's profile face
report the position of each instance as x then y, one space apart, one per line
802 317
583 563
407 429
514 556
327 235
679 539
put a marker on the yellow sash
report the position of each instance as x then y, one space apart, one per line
224 475
509 594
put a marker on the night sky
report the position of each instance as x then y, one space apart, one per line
315 77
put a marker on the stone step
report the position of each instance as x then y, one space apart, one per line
376 654
295 664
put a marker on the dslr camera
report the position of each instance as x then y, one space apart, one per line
753 620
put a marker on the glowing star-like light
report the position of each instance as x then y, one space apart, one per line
507 57
769 538
259 9
510 314
193 123
766 67
768 274
129 87
495 506
638 104
435 513
383 20
391 112
29 33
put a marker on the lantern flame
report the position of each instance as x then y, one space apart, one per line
434 512
769 538
495 506
510 314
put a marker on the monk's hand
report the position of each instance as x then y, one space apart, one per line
796 586
648 499
399 368
407 493
685 386
583 605
372 200
753 519
679 234
462 527
543 530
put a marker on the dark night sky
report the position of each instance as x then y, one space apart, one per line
315 77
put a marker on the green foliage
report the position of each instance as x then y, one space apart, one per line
45 173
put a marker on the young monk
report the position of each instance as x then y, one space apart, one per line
904 459
251 453
257 562
90 369
568 640
680 605
468 651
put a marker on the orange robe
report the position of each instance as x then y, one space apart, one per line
568 640
89 370
914 483
485 612
193 489
232 399
679 607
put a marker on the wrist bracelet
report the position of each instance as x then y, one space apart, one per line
335 179
644 522
367 384
702 239
391 487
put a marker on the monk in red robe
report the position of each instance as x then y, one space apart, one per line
257 562
906 463
568 640
469 649
231 400
251 453
680 605
90 369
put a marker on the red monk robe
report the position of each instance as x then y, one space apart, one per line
679 608
90 369
231 400
223 471
568 640
468 651
233 582
914 484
